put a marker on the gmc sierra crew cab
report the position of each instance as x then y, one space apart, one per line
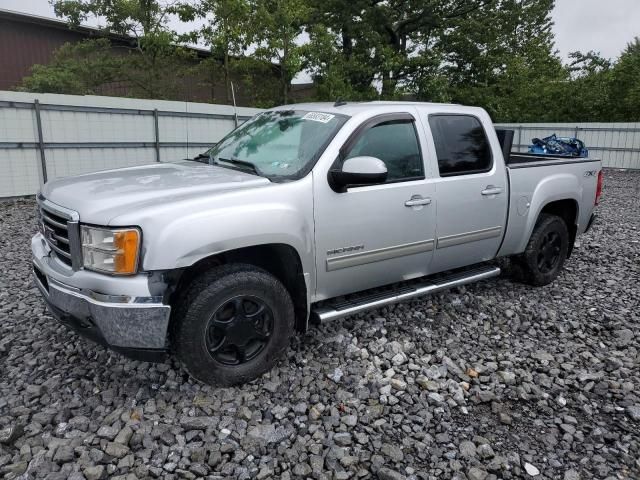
304 213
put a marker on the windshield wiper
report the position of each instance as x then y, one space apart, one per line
242 164
201 158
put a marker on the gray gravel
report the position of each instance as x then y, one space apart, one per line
496 380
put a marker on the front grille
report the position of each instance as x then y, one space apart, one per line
59 230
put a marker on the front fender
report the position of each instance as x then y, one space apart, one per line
183 241
179 232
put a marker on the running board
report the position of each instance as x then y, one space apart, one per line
369 301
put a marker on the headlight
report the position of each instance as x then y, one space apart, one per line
111 250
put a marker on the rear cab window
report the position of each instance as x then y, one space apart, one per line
462 147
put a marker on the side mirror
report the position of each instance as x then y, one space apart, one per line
358 171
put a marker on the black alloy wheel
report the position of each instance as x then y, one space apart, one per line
549 252
546 252
239 330
231 324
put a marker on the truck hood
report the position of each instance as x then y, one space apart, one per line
101 196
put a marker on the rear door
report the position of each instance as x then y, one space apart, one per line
471 191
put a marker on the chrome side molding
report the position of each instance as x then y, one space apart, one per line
363 258
468 237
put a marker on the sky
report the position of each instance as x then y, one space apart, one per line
605 26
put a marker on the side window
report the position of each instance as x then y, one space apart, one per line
461 144
396 144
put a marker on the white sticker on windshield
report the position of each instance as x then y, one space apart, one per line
318 117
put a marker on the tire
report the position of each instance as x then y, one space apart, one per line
223 308
542 260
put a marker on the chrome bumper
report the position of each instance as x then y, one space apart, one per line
121 322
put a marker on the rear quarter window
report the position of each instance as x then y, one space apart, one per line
461 144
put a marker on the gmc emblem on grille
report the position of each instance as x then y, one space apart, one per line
48 235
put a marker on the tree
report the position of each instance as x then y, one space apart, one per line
278 26
582 65
153 57
140 19
76 69
228 32
334 73
387 44
586 93
624 98
498 54
501 56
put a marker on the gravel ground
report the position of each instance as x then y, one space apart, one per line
496 380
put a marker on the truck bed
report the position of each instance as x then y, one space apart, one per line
525 160
555 178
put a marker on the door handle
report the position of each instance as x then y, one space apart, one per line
491 190
416 201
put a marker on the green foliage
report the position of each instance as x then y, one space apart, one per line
335 75
498 54
587 91
387 45
624 97
153 51
137 18
277 26
77 69
228 32
254 80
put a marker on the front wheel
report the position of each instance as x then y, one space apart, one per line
233 325
546 251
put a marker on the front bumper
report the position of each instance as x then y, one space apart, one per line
135 326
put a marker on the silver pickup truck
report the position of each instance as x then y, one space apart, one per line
303 214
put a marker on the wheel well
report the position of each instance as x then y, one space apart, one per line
280 260
567 210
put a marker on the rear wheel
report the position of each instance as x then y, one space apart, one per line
233 325
546 251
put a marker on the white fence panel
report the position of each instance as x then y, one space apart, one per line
19 172
76 161
81 134
19 168
617 144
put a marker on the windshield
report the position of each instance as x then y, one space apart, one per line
280 143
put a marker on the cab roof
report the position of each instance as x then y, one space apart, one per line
354 108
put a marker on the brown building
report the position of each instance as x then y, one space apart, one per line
27 40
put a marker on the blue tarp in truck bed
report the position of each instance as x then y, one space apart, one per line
559 146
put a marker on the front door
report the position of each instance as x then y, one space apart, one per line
471 192
374 235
